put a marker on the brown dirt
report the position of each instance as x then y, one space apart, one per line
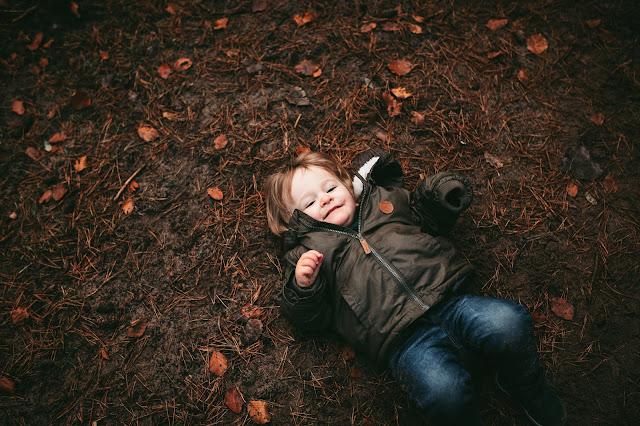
185 265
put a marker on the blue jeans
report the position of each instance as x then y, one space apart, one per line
428 363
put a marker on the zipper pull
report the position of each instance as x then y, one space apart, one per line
365 246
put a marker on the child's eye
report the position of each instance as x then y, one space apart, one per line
309 204
331 189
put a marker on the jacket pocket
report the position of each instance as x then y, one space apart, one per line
356 304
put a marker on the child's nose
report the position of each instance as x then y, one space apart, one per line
326 198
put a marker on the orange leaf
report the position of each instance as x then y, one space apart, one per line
537 44
46 196
306 67
6 385
368 27
220 24
303 19
416 29
492 55
258 5
127 206
233 399
74 9
58 137
103 353
524 76
215 193
258 412
220 142
572 189
562 308
36 42
80 100
32 153
597 118
43 62
172 8
133 186
164 71
218 363
18 107
390 26
19 314
182 64
394 107
610 184
250 311
417 118
58 191
400 93
496 24
80 164
103 54
147 133
300 149
400 67
137 328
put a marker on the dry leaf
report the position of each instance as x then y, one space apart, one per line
220 142
609 184
250 311
300 149
43 63
496 24
58 137
348 353
493 160
233 399
394 107
127 206
400 67
492 55
218 363
524 76
537 44
133 186
48 43
562 308
220 24
74 9
572 189
172 9
13 215
258 412
416 29
417 118
593 23
36 42
390 26
597 118
538 318
6 385
419 19
383 135
80 164
33 153
164 71
58 191
104 354
103 54
137 328
80 100
147 133
19 314
306 67
258 5
367 27
400 93
51 113
182 64
170 115
303 19
215 193
46 196
18 107
297 96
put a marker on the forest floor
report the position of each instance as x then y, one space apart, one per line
135 137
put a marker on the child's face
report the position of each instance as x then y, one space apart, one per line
322 196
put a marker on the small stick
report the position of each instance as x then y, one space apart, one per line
127 182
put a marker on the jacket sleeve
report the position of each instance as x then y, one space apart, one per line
438 200
307 308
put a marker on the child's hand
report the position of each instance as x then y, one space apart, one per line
308 267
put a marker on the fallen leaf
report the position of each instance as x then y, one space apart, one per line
43 62
46 196
303 19
400 93
133 186
597 118
400 67
18 107
172 9
562 308
593 23
252 331
300 149
36 42
394 108
258 5
80 164
33 153
215 193
170 115
609 184
13 215
51 113
416 29
524 76
104 55
255 68
220 142
104 354
6 385
493 160
348 353
127 206
496 24
220 24
367 27
19 314
572 189
492 55
147 133
234 400
48 43
164 71
73 7
218 363
538 318
306 67
80 100
137 328
58 137
182 64
419 19
537 44
258 412
58 191
297 96
417 118
383 135
251 311
390 26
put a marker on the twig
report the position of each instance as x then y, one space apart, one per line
128 181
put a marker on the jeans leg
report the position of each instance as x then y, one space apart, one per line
428 366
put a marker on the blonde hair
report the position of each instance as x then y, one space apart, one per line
278 187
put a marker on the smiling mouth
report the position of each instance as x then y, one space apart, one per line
331 211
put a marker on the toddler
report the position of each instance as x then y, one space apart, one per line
369 261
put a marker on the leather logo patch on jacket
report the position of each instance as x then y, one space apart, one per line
386 207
